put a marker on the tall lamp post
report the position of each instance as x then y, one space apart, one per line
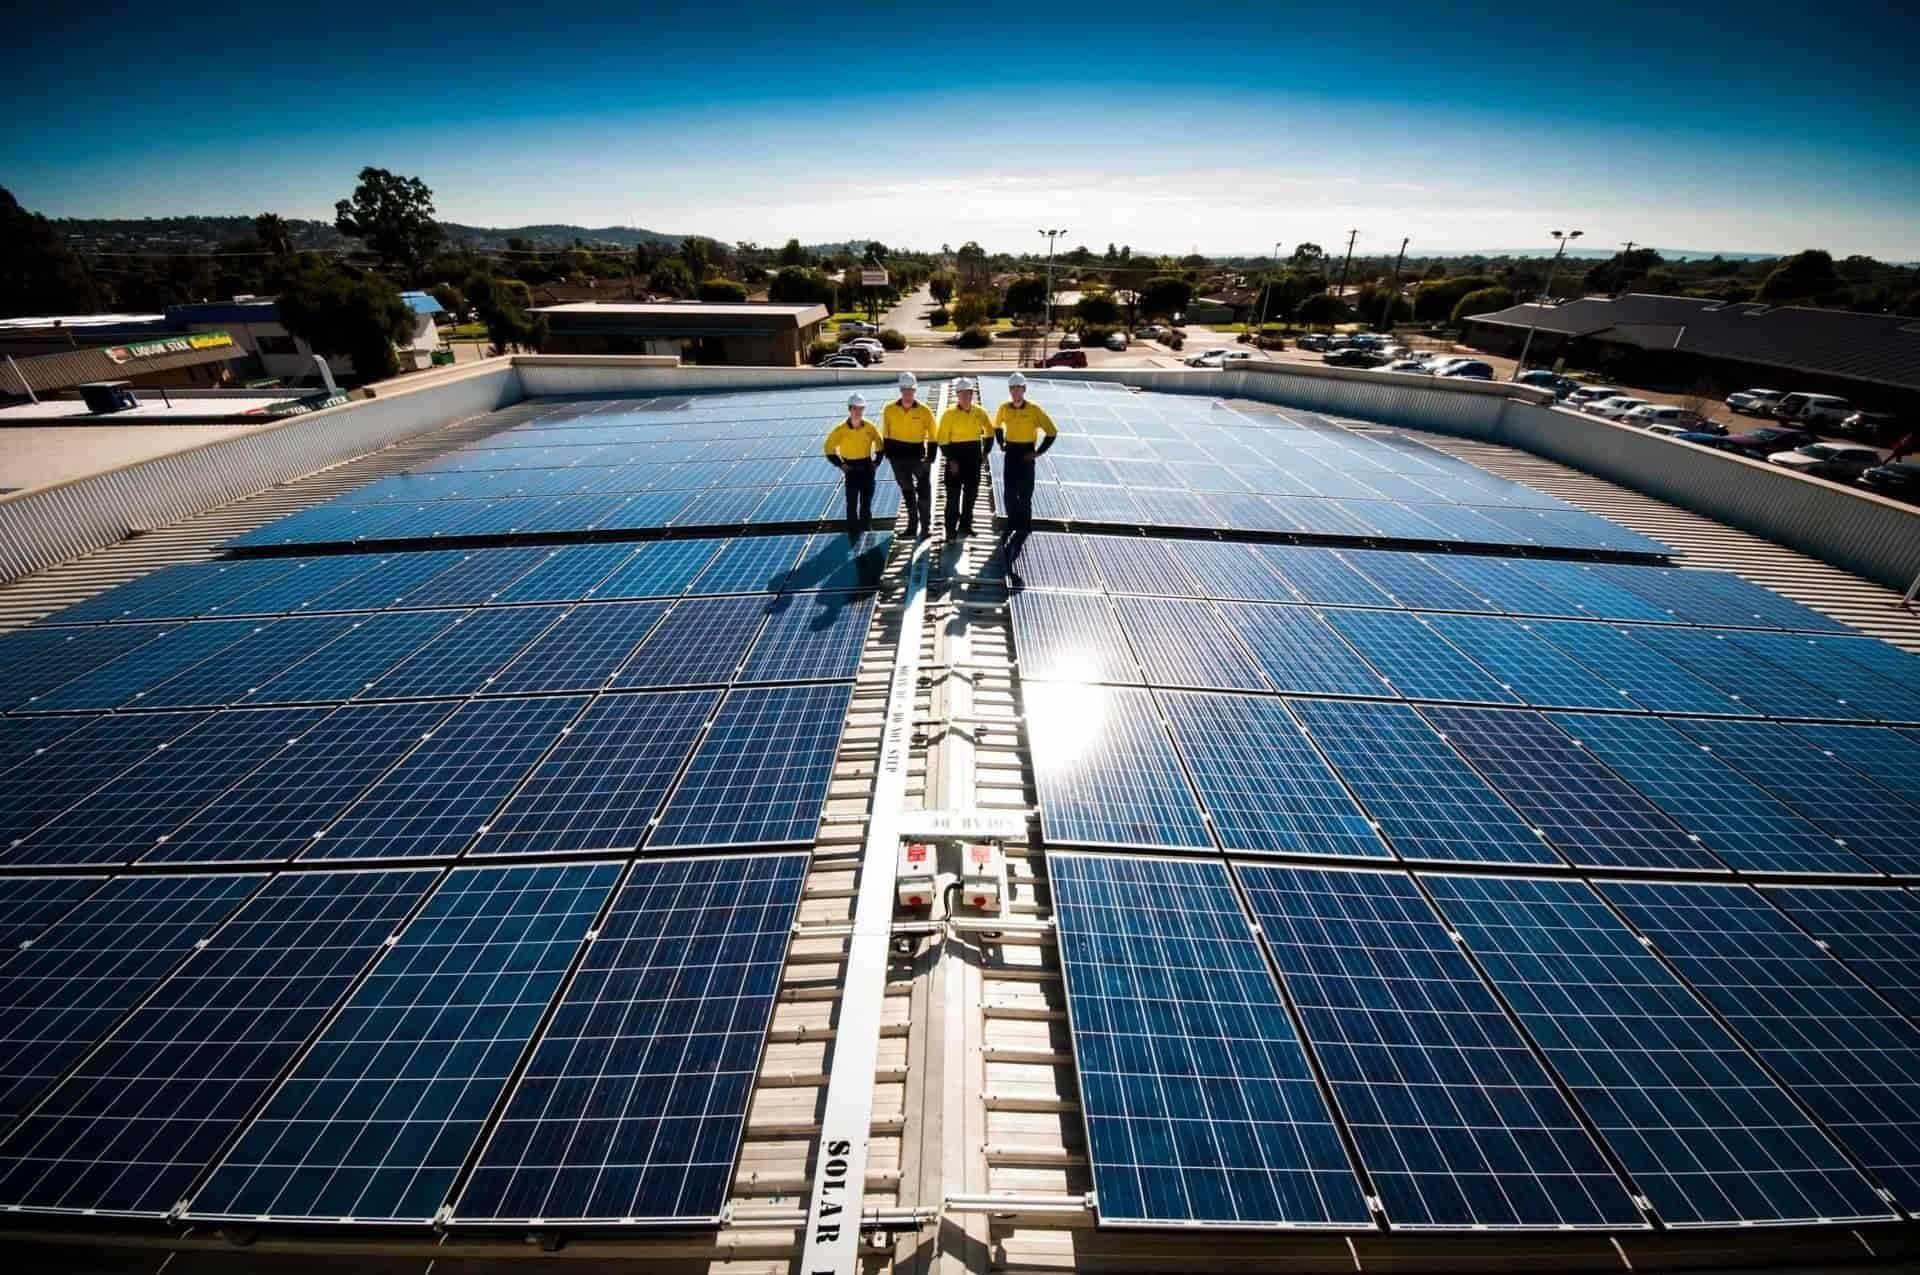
1047 331
1266 296
1545 292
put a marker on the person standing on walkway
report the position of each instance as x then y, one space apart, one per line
1026 433
853 447
908 427
965 436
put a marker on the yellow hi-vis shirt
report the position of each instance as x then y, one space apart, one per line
853 442
963 425
907 424
1023 424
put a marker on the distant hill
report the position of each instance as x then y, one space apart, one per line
1599 253
557 236
188 232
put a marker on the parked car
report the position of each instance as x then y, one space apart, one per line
1152 332
1244 356
1613 408
1872 427
1704 438
1066 358
1837 461
1812 409
1318 342
1754 402
1467 370
859 353
1679 431
1542 379
1208 358
1586 394
1765 441
1412 367
1353 356
871 342
1900 480
860 326
1117 341
1392 349
1651 414
1069 340
839 360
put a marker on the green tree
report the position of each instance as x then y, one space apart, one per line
504 305
1308 257
698 254
1435 299
1282 294
1097 310
1026 295
359 316
671 277
274 234
393 215
797 286
1480 301
975 273
722 290
1321 307
794 255
1805 276
1164 296
1081 256
39 274
1193 261
940 283
451 299
973 309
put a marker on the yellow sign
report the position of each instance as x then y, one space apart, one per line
186 343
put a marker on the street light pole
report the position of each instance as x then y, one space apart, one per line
1545 292
1393 287
1047 331
1266 297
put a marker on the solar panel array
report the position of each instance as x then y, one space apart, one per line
464 785
1489 808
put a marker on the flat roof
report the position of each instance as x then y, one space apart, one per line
33 456
677 308
153 408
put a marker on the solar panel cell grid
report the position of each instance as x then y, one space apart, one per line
1759 687
248 663
812 637
1535 670
124 680
40 787
1182 642
118 602
750 564
1650 680
1874 931
565 575
37 660
1853 685
28 905
465 657
354 660
582 651
1887 756
1415 658
1105 771
1070 636
700 642
659 569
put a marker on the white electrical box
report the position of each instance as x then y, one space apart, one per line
983 876
915 876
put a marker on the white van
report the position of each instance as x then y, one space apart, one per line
1813 409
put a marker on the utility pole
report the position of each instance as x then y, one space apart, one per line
1393 288
1047 331
1620 273
1266 297
1340 293
1540 301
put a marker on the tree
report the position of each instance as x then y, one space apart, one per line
1193 261
1805 276
1097 310
38 272
274 234
451 299
798 286
1081 256
1480 301
876 252
671 277
360 316
1165 296
973 309
1025 295
975 275
393 215
1621 272
1434 300
503 305
722 290
1282 294
1308 256
1321 307
940 283
1371 302
698 254
793 254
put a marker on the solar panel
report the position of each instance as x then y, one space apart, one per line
633 1105
751 564
1875 931
1759 687
815 636
1649 680
1424 796
1300 652
1412 583
1586 590
1070 636
37 660
1589 813
273 813
1740 822
796 502
396 575
127 817
599 789
1199 1102
660 569
1887 756
1134 564
215 591
28 905
1056 560
1105 771
1226 571
248 663
353 661
309 581
1264 786
440 795
1415 658
760 775
700 642
1456 1122
1764 606
1853 685
1851 1057
1502 582
58 996
131 1129
582 651
1683 594
118 602
1182 642
382 1111
1321 575
1536 671
1884 658
830 562
1703 1132
41 787
22 737
124 680
567 574
1099 504
465 657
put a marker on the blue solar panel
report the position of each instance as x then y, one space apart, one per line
1106 772
1884 658
582 651
660 569
273 813
1851 1057
1412 583
1688 596
131 814
1588 593
751 564
124 680
1740 822
1758 686
309 581
1861 691
1322 575
22 737
214 591
634 1103
1299 652
41 787
58 996
28 905
1887 756
465 657
1226 571
811 637
701 642
248 664
397 574
1102 504
829 562
1456 1122
118 602
132 1128
1071 636
1535 670
567 574
599 789
1592 815
1649 679
1182 642
1501 582
1057 560
1764 606
381 1113
796 502
760 775
353 661
1134 564
1199 1103
33 661
1415 658
1706 1136
720 507
476 578
1423 795
1264 786
1875 931
441 794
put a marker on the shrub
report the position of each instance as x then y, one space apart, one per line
1095 335
722 290
1481 301
972 309
974 337
890 339
941 317
1175 340
820 350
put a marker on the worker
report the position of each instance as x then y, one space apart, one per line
853 447
1026 433
965 436
907 426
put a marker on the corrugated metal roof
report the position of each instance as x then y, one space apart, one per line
44 372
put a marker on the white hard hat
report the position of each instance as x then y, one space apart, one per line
908 380
963 384
856 400
1018 378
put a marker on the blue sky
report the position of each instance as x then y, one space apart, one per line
1221 127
